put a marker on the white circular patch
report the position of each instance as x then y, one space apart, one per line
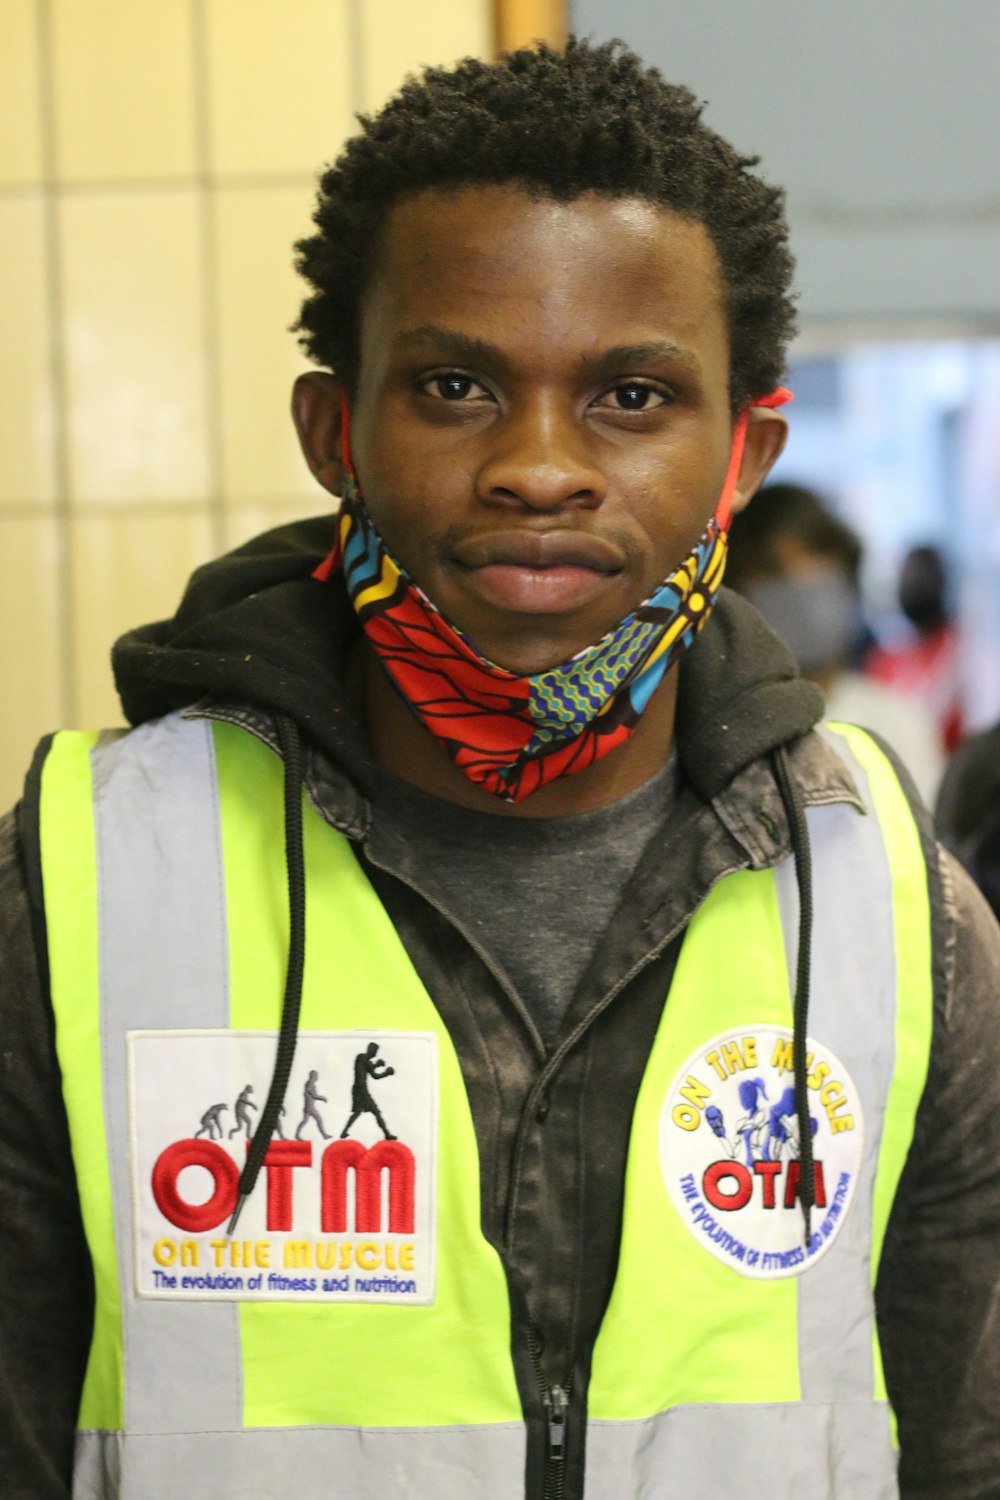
729 1150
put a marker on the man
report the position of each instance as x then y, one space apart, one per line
243 1106
539 801
926 667
311 1096
367 1065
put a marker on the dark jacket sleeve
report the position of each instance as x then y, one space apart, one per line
46 1290
938 1289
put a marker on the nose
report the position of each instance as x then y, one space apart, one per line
540 460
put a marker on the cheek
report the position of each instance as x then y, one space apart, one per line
407 517
414 501
673 493
670 518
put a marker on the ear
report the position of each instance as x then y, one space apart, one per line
316 414
766 434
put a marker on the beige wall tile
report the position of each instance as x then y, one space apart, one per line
398 37
27 466
258 296
29 644
20 102
127 569
242 522
134 332
123 76
279 83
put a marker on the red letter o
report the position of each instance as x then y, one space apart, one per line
715 1195
195 1217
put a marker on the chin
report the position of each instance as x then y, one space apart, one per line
527 658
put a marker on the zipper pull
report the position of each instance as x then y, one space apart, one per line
556 1402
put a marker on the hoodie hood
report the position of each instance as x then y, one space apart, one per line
254 627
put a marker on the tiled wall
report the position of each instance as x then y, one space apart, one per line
157 159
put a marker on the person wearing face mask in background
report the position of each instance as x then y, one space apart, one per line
799 566
925 667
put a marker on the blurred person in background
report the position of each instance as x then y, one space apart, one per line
925 667
800 566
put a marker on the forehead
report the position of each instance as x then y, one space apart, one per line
531 272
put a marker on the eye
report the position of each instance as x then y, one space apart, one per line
633 395
454 386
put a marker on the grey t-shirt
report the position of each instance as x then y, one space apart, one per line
535 894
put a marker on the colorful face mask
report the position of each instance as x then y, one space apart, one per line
513 734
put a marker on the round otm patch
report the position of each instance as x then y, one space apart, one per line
730 1151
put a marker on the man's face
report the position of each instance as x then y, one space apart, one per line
542 427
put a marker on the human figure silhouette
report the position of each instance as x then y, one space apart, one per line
367 1065
210 1125
310 1097
751 1127
244 1105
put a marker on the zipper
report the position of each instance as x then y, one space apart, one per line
555 1405
556 1402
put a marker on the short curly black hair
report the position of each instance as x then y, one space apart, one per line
590 119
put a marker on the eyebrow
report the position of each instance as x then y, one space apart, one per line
641 354
452 344
463 347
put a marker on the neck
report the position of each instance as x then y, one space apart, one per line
404 747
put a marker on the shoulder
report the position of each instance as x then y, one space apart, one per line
964 1070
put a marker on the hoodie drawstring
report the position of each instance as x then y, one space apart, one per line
795 813
291 749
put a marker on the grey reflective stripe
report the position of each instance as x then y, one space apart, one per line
852 935
795 1450
97 1466
163 963
304 1463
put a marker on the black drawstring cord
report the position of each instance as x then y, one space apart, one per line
291 749
800 1014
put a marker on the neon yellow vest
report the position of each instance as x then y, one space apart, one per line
203 1386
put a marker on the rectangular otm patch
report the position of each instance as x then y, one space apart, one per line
344 1207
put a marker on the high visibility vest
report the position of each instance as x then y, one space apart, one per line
353 1337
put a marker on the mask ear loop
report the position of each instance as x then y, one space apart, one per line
345 434
724 510
331 563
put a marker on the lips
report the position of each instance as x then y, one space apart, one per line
546 572
539 549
